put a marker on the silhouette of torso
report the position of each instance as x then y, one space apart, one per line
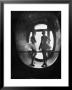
33 39
44 45
33 43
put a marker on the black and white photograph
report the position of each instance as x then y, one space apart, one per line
36 44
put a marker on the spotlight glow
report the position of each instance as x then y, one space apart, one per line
40 26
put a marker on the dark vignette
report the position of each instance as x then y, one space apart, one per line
19 70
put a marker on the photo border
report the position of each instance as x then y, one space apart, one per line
2 23
64 8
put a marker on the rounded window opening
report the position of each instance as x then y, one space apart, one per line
39 29
29 51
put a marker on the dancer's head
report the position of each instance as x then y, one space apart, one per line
43 32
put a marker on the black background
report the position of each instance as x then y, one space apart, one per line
21 71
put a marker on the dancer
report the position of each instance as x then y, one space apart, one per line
44 46
33 40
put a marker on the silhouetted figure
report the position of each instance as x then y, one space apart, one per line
33 47
44 46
